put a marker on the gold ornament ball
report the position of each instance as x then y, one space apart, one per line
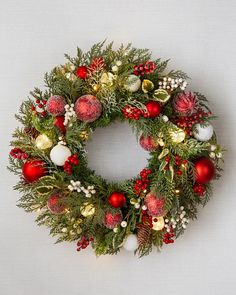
158 223
178 135
42 142
87 209
177 192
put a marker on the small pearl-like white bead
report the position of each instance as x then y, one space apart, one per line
123 223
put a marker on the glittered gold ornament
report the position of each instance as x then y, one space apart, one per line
161 95
177 192
177 135
107 78
96 87
42 142
158 223
147 86
84 135
87 209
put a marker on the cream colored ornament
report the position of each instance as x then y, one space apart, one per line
87 209
158 223
107 78
177 135
203 132
59 154
43 142
133 83
131 243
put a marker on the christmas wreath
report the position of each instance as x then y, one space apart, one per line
93 90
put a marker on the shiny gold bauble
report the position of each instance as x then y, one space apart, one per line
87 209
84 135
177 192
158 223
43 142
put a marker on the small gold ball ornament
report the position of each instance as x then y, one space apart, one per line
177 192
87 209
84 135
42 142
158 223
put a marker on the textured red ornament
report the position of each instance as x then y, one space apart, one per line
147 143
54 204
153 109
205 170
59 123
154 205
112 219
88 108
33 169
56 105
117 199
82 72
185 103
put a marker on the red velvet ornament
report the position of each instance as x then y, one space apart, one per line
147 143
153 109
117 199
56 105
154 205
205 170
112 219
59 123
33 169
88 108
82 72
54 204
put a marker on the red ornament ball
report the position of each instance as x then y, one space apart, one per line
205 170
82 72
155 205
111 220
59 123
33 169
56 105
88 108
55 205
117 199
147 143
153 109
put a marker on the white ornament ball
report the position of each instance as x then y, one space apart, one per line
203 132
59 154
133 83
131 243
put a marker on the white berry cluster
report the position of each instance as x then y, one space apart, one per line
135 202
76 186
180 220
61 141
116 66
69 114
171 84
215 152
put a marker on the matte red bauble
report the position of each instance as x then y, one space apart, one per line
32 170
55 205
59 123
147 143
82 72
117 199
153 109
88 108
205 170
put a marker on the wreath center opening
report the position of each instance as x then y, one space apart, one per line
114 153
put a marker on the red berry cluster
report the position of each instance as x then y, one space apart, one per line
83 243
70 162
199 189
144 68
133 112
178 163
187 122
168 237
141 184
41 104
17 153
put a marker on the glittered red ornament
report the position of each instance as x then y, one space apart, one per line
153 109
33 169
155 205
111 220
117 199
205 170
147 143
82 72
88 108
56 105
55 205
59 123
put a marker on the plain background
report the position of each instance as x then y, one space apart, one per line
199 36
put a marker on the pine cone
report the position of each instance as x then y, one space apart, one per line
143 234
31 131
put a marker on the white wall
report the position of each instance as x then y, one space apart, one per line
199 36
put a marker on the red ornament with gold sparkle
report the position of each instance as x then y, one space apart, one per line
56 105
205 170
88 108
55 205
147 142
33 169
111 220
155 205
117 199
153 109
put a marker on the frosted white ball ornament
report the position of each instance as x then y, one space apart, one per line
133 83
131 243
203 132
59 154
